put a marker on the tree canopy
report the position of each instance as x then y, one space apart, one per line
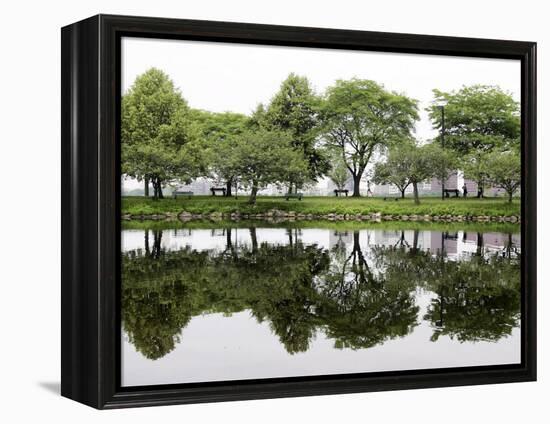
477 117
295 110
504 171
408 163
396 169
308 137
264 157
475 167
444 162
220 131
361 117
159 140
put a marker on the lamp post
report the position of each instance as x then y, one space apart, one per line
441 105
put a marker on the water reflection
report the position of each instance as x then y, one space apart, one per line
357 288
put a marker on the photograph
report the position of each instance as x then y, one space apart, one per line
301 212
269 212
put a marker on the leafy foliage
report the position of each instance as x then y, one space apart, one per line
475 167
159 140
504 171
264 157
294 109
396 169
361 117
220 132
444 162
477 117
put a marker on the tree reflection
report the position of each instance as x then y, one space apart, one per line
477 300
359 294
357 306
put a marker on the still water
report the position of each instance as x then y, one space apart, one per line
213 302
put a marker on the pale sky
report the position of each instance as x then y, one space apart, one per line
236 77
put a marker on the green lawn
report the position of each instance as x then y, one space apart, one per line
323 205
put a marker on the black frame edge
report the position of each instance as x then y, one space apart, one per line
80 305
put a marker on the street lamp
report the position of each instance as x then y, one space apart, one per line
440 104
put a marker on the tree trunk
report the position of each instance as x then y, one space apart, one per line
289 234
360 267
415 191
401 241
146 188
403 193
157 188
253 194
228 241
510 194
228 187
356 184
157 237
147 242
509 246
356 242
254 239
161 196
479 190
479 249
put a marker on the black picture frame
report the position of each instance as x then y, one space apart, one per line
90 98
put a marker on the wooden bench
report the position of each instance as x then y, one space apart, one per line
341 191
451 191
294 196
177 193
215 189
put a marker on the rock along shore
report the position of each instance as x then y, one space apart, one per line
278 215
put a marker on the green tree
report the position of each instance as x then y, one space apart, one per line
407 164
504 171
338 172
475 168
396 169
477 117
294 109
220 131
265 157
361 117
444 163
159 141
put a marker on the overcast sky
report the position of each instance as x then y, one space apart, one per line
236 77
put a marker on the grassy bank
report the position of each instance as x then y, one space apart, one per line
323 205
334 225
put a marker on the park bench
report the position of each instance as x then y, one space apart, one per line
215 189
454 191
177 193
294 196
341 191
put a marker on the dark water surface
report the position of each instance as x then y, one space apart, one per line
210 304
